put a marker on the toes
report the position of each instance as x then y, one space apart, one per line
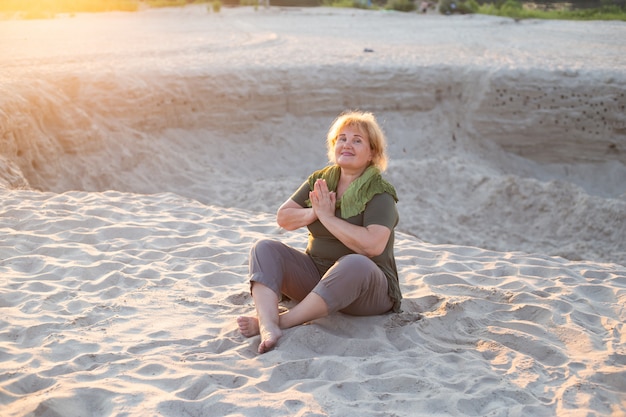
248 326
269 341
266 346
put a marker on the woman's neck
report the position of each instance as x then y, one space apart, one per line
346 177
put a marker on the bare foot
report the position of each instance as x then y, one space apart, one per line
248 326
269 338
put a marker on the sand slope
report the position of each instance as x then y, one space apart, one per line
118 304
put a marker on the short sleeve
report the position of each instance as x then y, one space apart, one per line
302 194
382 210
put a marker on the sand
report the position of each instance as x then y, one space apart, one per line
142 154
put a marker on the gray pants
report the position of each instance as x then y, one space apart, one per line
354 284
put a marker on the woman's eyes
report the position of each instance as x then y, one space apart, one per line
344 139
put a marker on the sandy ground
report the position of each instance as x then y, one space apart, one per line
142 154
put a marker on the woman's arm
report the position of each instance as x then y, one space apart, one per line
366 240
292 216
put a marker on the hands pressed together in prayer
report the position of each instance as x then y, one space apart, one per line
322 200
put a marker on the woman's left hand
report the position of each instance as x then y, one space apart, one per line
322 200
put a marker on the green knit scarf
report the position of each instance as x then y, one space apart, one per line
359 192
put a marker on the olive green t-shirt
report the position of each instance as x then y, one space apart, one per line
325 249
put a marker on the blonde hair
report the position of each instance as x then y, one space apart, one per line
367 124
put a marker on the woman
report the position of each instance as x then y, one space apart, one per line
348 265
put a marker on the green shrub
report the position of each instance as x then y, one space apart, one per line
512 8
472 5
216 6
455 6
517 10
360 4
400 5
349 4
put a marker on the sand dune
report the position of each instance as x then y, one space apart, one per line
126 141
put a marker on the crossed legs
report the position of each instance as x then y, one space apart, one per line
269 323
354 285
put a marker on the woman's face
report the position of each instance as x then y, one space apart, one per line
352 149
